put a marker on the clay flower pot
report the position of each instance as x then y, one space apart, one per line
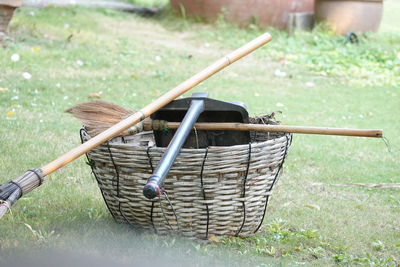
350 15
12 3
7 8
243 12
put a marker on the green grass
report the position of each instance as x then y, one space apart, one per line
148 2
328 83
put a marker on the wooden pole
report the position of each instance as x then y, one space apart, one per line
157 104
377 133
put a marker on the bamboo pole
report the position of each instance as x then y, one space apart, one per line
99 115
157 104
12 191
377 133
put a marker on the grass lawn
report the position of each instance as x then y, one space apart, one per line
71 53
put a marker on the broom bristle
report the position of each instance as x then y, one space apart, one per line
98 116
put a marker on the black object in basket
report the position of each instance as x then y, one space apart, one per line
214 111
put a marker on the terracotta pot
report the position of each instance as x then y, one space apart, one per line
243 12
6 13
12 3
7 8
350 15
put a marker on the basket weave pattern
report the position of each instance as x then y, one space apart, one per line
213 191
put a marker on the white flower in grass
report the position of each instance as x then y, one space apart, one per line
279 73
27 75
309 84
280 105
80 63
15 58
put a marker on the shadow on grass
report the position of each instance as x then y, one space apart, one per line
103 242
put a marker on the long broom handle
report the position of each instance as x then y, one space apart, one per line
157 104
232 126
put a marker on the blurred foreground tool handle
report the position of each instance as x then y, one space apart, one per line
30 181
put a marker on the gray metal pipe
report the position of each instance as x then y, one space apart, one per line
152 188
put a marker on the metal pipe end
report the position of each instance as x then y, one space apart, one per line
151 190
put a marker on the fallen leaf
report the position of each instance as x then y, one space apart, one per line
155 92
10 113
95 95
214 239
313 206
282 60
36 48
3 90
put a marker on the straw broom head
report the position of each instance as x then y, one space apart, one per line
98 116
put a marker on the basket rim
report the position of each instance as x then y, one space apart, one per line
118 141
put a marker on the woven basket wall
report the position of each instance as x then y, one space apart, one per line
213 191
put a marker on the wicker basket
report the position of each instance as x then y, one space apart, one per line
213 191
